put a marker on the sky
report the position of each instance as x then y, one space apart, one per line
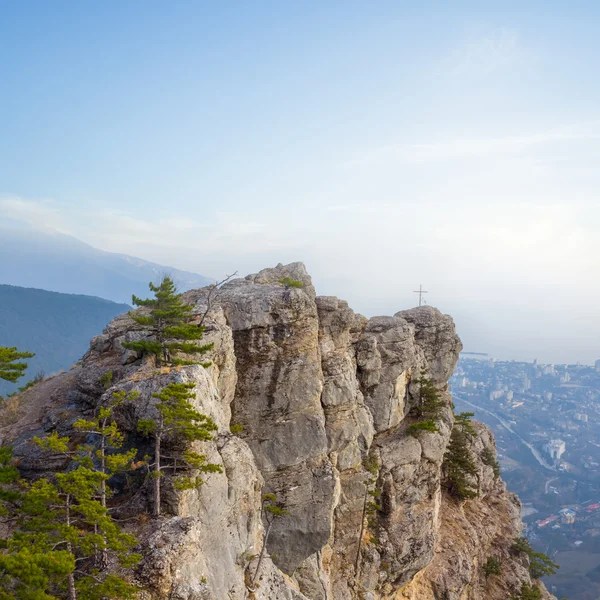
384 144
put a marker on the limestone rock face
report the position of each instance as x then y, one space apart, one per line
321 399
469 534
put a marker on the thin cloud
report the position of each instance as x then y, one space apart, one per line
485 54
459 148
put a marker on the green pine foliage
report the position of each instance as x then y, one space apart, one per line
12 366
27 571
61 526
488 458
540 564
428 408
429 403
177 418
288 282
168 319
371 505
528 592
271 509
492 567
106 457
458 462
415 428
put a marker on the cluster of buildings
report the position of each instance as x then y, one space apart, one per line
556 408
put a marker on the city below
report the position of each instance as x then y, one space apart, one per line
546 419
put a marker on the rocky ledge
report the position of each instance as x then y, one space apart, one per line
316 393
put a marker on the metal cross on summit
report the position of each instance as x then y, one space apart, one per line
420 291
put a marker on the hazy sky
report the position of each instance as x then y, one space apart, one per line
385 144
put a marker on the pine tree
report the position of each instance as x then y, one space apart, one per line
168 320
488 458
108 460
427 409
458 462
492 567
65 513
539 563
272 509
370 503
103 426
10 370
429 405
528 592
27 572
177 418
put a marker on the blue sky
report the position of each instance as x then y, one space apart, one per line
383 143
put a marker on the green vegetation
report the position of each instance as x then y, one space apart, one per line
168 320
492 567
371 504
12 365
528 592
429 404
288 282
488 458
56 327
108 456
106 379
539 564
415 428
177 418
428 408
61 528
236 428
458 462
272 509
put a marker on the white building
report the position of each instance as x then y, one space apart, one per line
555 448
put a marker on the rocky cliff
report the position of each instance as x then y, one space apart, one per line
320 399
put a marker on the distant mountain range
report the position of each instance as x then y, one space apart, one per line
48 259
57 327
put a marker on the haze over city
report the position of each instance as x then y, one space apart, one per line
385 146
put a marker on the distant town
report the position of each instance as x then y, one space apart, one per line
546 419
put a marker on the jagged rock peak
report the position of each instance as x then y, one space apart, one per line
320 399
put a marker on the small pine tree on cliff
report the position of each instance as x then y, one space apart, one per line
528 592
177 418
458 462
428 408
10 370
430 404
168 320
539 563
107 459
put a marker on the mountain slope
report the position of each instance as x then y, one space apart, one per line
47 259
57 327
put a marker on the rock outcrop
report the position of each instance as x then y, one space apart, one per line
321 399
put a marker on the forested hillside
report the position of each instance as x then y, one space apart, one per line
57 327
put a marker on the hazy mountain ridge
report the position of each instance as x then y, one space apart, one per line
48 259
57 327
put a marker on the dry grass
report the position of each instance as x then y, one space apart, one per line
11 410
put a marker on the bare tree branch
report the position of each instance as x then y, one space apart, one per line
210 299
